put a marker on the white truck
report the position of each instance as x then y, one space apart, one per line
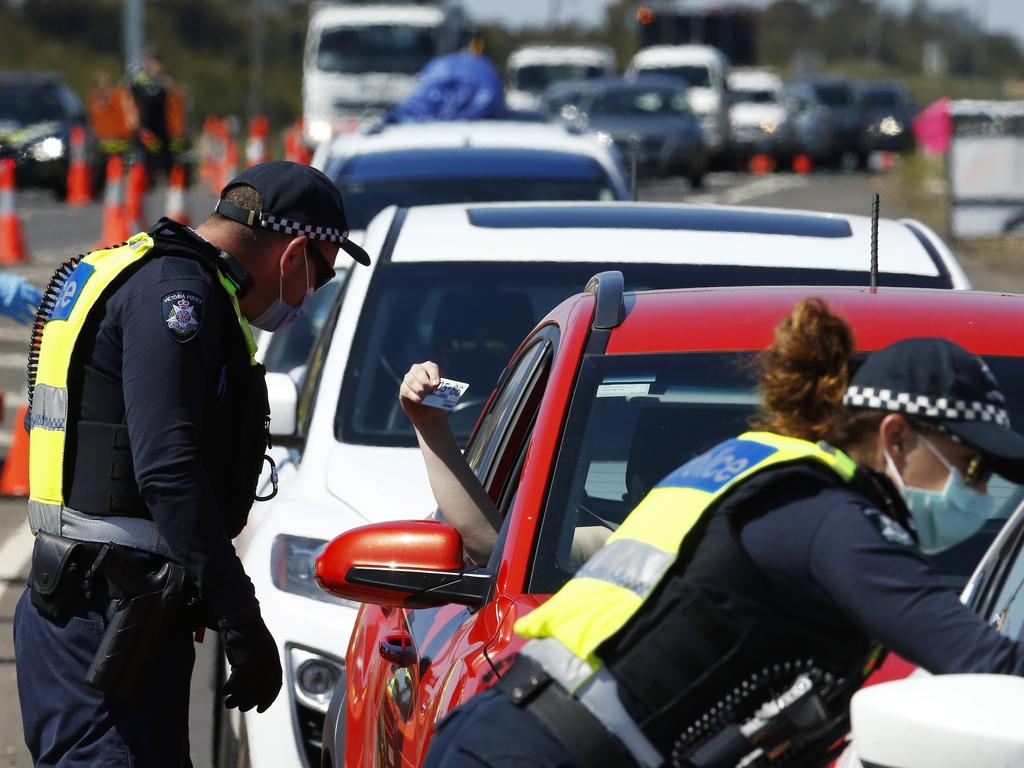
532 68
362 58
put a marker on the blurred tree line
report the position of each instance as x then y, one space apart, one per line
205 45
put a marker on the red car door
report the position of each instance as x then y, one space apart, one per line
407 668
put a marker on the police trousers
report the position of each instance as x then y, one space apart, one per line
489 731
69 724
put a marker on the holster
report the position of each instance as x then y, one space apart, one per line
148 603
59 569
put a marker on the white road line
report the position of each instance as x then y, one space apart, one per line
14 360
14 557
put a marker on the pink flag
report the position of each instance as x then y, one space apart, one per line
933 127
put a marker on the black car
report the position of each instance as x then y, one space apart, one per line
37 114
841 99
887 111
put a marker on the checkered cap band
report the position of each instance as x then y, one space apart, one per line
922 405
292 227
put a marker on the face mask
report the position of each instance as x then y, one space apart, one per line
280 314
943 518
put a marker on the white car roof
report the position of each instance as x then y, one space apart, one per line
483 134
655 233
370 15
581 55
673 55
754 80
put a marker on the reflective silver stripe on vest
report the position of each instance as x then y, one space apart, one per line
598 692
131 532
49 408
628 563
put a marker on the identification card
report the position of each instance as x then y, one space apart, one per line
447 394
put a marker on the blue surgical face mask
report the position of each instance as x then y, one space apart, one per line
943 518
280 314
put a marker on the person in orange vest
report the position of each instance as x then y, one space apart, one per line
110 115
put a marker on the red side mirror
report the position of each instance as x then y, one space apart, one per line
405 564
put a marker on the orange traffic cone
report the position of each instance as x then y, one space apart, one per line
208 151
230 155
802 164
12 244
135 192
761 164
295 148
115 226
14 478
177 207
256 146
79 182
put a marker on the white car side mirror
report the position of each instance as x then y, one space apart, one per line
284 399
945 721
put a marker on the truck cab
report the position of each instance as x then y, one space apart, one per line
362 58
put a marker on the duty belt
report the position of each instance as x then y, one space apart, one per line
570 723
134 532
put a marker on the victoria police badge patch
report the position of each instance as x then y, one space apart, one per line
183 314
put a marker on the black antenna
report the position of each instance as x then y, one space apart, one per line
874 241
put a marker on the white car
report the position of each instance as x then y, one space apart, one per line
468 161
705 70
532 68
759 121
462 285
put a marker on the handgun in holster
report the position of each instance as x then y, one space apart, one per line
148 602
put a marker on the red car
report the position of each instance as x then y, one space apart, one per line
607 395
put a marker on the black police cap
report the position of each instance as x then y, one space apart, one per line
941 383
297 200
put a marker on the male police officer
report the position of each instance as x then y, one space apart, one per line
148 428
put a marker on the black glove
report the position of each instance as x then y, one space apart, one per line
255 678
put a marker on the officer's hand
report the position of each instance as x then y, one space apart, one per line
420 381
255 678
19 299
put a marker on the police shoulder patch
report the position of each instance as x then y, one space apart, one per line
182 314
891 530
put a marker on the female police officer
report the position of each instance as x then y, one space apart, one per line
766 571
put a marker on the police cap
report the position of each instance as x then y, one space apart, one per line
942 384
297 200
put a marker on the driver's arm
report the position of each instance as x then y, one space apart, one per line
460 496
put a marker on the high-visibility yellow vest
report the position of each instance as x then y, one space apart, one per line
616 581
84 289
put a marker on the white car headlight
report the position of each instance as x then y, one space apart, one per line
890 126
291 568
770 126
604 138
50 148
319 130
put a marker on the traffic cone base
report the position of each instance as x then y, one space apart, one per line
177 207
115 225
14 478
761 164
802 164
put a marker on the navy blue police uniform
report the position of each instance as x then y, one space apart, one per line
830 567
165 365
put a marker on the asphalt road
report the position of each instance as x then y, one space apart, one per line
55 232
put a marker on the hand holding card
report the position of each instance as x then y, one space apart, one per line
447 394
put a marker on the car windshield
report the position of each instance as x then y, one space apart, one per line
289 348
639 102
23 105
635 418
539 76
881 98
695 75
383 48
834 95
766 96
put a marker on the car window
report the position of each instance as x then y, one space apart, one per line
635 418
695 75
310 385
24 104
535 78
765 96
1007 611
371 48
640 102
